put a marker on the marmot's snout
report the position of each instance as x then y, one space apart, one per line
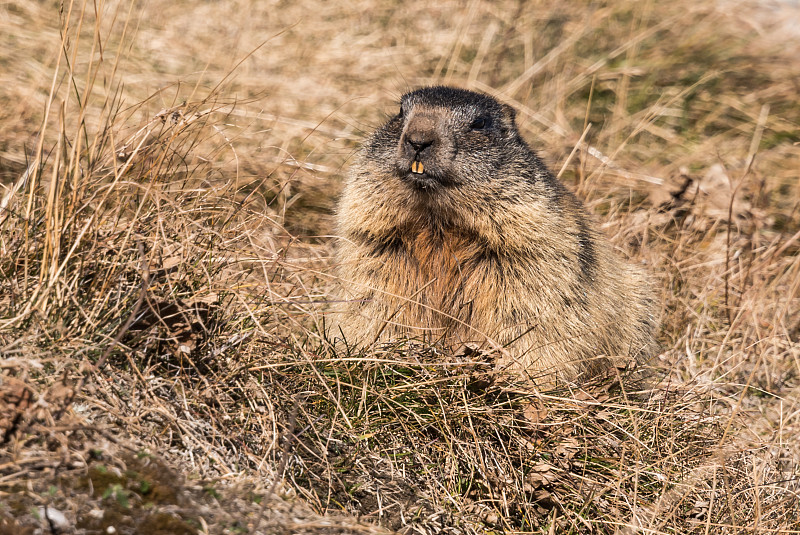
420 135
423 151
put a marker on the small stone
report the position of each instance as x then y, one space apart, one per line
55 517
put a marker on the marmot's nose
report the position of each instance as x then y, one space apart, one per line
419 143
420 134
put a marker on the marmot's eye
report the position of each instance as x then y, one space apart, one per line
480 123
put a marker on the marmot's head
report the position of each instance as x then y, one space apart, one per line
444 138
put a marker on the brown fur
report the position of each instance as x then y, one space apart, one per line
485 246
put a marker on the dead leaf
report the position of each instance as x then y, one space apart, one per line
15 399
535 413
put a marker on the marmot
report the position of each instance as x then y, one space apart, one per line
453 230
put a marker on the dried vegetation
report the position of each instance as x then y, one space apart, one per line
168 172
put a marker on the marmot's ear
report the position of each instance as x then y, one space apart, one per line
509 120
509 115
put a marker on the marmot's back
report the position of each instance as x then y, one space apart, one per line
453 229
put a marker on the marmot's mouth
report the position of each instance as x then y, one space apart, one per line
422 176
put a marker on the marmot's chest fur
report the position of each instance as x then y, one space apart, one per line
453 230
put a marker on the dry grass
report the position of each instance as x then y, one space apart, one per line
169 171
